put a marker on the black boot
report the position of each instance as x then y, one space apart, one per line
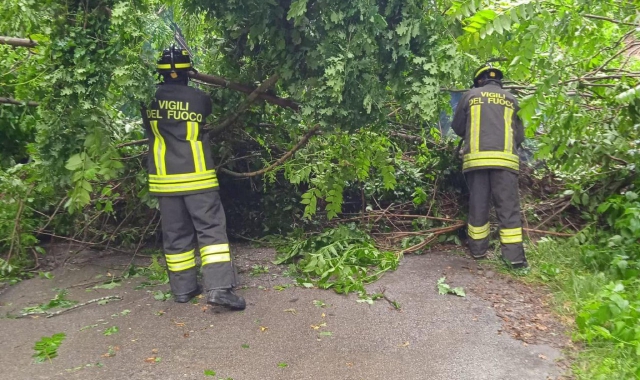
226 298
184 298
481 256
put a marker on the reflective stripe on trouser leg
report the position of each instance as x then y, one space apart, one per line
208 218
180 261
478 222
478 233
178 239
504 185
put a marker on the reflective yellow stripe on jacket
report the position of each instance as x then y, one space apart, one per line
508 130
491 159
201 179
182 178
181 187
474 133
196 146
159 149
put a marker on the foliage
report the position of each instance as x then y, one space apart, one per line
160 295
257 270
111 330
344 63
444 288
60 300
579 97
333 163
156 273
344 259
603 302
8 273
371 75
47 347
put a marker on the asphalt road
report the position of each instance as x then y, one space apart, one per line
295 333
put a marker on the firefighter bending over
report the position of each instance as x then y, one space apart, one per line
182 176
487 119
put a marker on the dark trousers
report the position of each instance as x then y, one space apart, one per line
502 187
191 221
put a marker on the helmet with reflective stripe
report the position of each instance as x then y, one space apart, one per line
486 71
174 60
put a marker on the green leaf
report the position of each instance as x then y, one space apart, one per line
444 288
487 14
497 25
603 207
506 23
111 330
47 347
514 16
159 295
109 285
297 9
379 21
74 162
209 372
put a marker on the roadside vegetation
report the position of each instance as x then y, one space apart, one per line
331 133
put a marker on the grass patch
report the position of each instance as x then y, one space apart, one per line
604 304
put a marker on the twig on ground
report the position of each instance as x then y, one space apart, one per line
552 233
393 303
50 315
382 214
107 298
567 204
432 238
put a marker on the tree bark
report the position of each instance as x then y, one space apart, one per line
18 102
22 42
264 86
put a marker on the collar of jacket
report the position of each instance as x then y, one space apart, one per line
177 81
492 82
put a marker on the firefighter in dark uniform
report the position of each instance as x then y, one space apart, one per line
182 176
487 119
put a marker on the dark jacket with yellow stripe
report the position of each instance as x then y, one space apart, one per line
179 158
487 119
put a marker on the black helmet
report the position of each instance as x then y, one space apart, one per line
174 60
491 73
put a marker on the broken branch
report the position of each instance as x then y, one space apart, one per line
303 141
222 82
18 42
18 102
245 104
610 20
